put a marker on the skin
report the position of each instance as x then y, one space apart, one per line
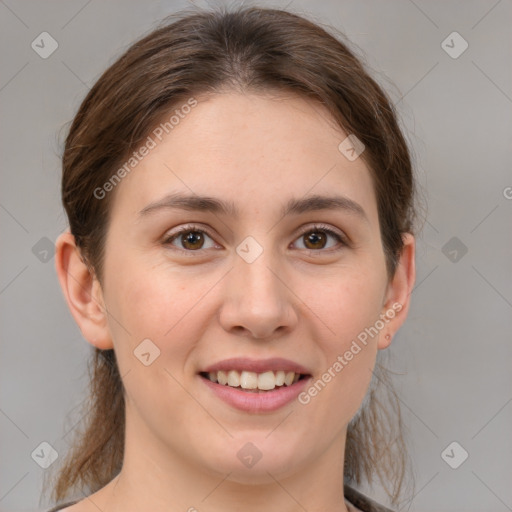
305 305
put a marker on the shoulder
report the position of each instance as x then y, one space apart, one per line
362 502
356 498
64 507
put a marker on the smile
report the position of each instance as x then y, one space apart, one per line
252 381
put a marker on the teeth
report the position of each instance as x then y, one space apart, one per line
222 377
233 379
253 381
249 380
266 381
288 380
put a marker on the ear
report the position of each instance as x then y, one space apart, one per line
398 293
82 292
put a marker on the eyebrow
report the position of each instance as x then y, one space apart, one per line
293 206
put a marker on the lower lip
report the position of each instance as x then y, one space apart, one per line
266 401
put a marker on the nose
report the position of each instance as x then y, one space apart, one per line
257 301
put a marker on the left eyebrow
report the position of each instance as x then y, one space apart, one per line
317 202
228 208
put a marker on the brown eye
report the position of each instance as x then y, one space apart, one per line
190 239
317 238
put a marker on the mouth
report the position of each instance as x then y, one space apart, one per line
253 382
255 386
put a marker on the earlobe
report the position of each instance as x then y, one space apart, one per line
82 292
398 296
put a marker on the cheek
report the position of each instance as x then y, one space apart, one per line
156 303
350 307
348 303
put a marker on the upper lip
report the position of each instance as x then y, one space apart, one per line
257 365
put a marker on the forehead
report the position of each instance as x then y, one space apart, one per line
254 151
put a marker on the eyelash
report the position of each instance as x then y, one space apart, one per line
314 229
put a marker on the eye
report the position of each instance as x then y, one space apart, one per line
316 238
191 238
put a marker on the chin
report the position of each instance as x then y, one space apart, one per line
248 459
262 473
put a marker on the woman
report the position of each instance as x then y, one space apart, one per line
241 246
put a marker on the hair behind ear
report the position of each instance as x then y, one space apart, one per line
378 427
97 445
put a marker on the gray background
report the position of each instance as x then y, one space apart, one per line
453 354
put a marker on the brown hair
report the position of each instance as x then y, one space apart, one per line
248 49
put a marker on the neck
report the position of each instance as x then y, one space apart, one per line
155 478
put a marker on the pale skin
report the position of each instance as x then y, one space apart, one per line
302 302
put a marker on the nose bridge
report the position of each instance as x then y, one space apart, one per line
259 285
257 298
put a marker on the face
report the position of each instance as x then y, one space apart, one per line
251 282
